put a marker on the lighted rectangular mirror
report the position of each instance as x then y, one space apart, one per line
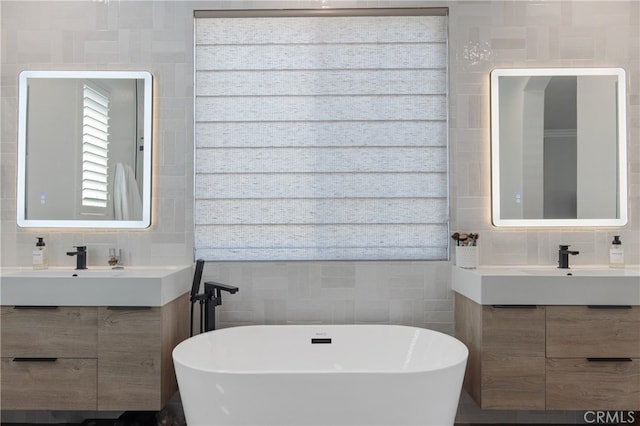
84 149
558 147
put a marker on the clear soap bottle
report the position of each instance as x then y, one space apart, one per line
40 260
616 253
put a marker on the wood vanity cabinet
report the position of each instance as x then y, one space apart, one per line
135 367
49 358
593 358
506 366
551 357
90 358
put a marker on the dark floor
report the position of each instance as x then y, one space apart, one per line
172 415
152 421
171 419
162 418
117 422
165 418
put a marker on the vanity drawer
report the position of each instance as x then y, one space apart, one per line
513 382
597 384
46 331
130 349
599 331
513 357
48 384
514 329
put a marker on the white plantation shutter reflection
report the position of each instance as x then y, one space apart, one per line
321 138
95 147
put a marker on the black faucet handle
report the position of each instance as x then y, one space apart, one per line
80 248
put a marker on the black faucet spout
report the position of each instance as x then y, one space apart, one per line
563 256
81 256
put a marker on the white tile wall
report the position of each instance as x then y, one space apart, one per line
410 293
534 34
158 36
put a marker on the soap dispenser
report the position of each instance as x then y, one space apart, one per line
616 253
40 260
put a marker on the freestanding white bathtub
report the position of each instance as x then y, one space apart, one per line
320 375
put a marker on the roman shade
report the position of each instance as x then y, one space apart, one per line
321 135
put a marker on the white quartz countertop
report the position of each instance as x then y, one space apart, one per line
540 285
131 286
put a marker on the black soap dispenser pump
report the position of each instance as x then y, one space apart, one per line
40 260
616 253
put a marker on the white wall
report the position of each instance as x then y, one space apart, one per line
158 36
534 34
53 149
597 119
511 142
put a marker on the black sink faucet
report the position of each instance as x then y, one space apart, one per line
81 256
563 256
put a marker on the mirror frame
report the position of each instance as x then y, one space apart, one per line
146 198
497 220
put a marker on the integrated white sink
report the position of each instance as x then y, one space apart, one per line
132 286
532 285
580 272
127 272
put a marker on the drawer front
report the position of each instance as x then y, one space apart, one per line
514 330
129 372
48 384
513 362
64 332
513 383
581 332
600 384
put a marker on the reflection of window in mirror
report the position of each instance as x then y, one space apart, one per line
95 150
